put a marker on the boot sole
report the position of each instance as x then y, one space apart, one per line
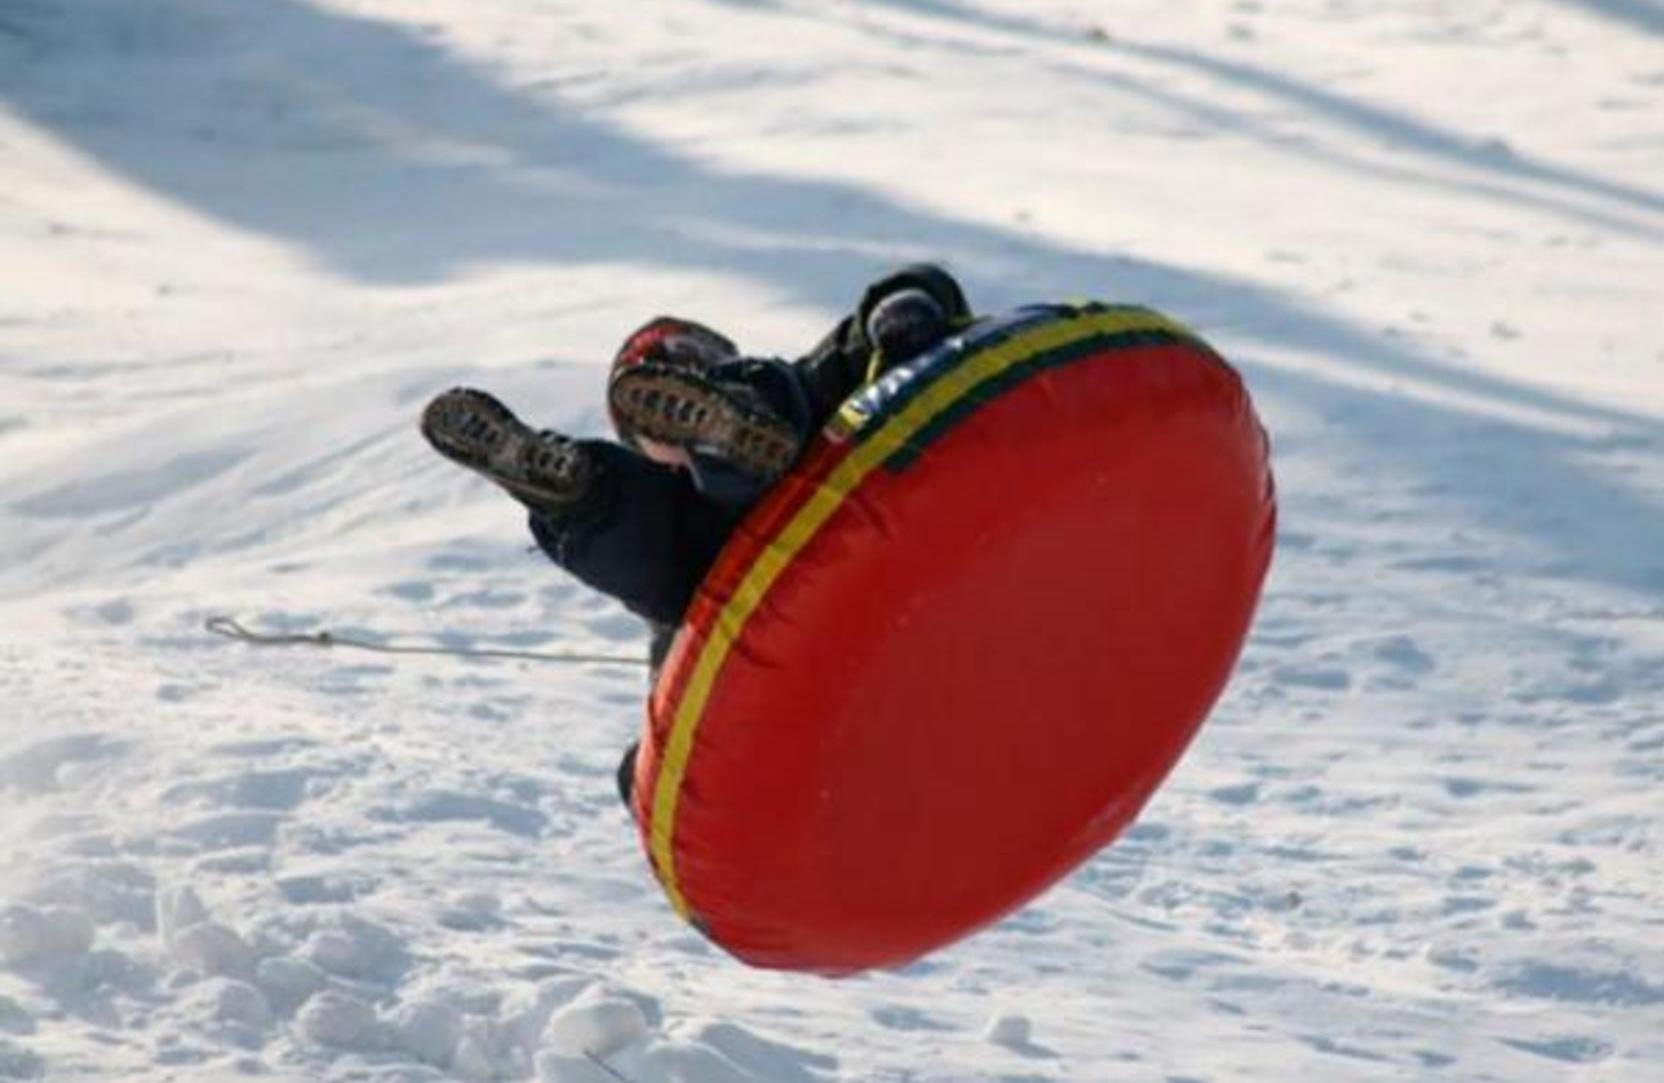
670 406
474 430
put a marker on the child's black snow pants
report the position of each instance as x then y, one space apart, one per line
643 534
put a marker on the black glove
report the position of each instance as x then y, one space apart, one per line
908 312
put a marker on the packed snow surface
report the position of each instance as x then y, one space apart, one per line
243 243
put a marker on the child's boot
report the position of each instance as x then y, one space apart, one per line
686 408
543 470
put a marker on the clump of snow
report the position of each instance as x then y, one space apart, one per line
474 1059
340 1021
288 982
597 1023
30 935
241 1003
428 1030
526 1014
355 947
692 1051
1010 1030
213 949
111 891
178 907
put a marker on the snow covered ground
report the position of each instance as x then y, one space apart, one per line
243 243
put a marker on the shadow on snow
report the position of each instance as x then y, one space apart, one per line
401 163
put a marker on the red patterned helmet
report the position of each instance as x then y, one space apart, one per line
670 340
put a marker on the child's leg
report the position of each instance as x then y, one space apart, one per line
626 526
643 534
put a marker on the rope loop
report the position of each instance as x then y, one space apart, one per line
230 628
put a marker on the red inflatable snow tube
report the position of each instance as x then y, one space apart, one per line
961 644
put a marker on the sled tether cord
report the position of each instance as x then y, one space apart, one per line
230 629
605 1067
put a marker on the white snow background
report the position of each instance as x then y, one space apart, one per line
244 242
